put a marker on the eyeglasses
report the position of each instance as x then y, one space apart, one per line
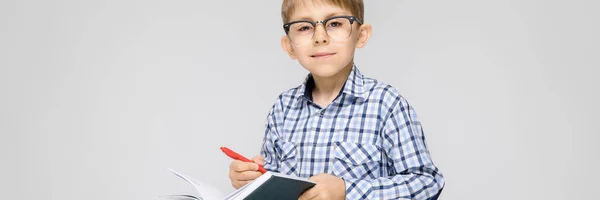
337 28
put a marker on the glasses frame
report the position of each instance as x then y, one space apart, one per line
352 19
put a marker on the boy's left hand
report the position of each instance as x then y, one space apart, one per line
327 187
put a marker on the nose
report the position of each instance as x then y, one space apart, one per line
320 36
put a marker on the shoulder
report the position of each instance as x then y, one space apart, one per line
285 100
383 93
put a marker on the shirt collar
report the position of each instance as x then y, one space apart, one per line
354 86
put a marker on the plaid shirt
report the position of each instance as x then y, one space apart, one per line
369 136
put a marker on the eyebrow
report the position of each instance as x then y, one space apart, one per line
328 16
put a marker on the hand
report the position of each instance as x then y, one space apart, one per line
241 173
327 187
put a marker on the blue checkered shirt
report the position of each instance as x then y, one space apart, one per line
369 136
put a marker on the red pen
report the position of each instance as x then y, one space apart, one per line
234 155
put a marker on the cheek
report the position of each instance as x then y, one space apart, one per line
301 50
302 53
345 51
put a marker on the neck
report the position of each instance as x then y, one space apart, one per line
327 88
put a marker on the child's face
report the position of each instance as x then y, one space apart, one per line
326 53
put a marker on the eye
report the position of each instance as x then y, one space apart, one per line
335 24
305 28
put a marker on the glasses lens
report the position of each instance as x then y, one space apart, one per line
338 28
301 32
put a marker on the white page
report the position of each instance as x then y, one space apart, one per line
291 177
205 191
235 193
248 188
180 197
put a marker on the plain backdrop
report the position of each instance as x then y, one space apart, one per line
99 98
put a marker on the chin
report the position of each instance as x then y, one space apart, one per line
325 71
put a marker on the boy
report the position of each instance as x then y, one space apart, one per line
356 137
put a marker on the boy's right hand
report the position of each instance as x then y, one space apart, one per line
241 173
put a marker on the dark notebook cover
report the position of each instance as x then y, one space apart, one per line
280 188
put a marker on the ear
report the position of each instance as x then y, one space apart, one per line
286 45
364 33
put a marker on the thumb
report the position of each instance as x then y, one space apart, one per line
317 178
259 160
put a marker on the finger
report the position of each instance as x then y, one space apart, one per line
316 178
259 160
240 166
247 175
234 165
243 176
309 194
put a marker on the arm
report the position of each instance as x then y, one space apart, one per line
241 173
268 146
412 174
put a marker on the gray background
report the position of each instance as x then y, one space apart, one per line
99 98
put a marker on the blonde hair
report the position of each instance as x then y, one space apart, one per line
356 7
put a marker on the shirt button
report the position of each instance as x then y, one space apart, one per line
321 113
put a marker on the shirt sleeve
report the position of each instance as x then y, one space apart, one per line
411 172
268 144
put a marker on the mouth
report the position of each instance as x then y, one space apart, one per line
322 55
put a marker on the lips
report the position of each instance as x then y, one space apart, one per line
322 55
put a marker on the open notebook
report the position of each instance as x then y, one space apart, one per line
270 185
